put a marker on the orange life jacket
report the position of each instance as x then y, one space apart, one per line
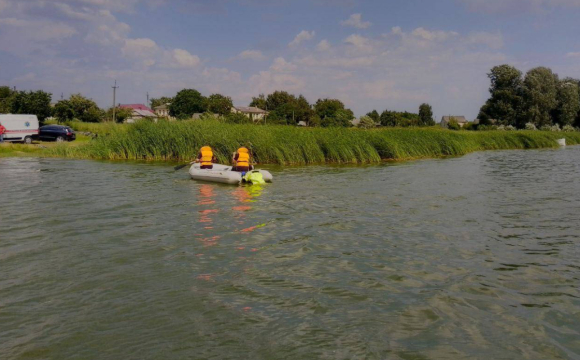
243 157
206 156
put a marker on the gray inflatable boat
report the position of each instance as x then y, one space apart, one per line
223 174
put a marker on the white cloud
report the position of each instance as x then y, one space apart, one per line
397 30
139 48
38 30
355 20
360 42
301 37
268 81
436 36
251 55
182 58
281 65
491 40
324 45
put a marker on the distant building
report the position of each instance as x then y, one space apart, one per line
254 113
162 110
139 112
461 120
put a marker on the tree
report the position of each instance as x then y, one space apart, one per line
219 104
121 114
186 103
505 102
259 102
155 102
63 111
375 116
85 109
402 119
6 94
279 98
284 108
366 122
426 115
568 102
32 102
332 112
540 90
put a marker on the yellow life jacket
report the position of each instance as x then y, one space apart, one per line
243 157
206 155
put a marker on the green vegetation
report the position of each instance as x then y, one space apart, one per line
540 98
180 141
77 107
25 102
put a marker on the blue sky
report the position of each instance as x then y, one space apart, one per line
370 54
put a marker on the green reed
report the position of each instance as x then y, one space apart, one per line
181 141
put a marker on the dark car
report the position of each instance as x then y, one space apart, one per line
57 133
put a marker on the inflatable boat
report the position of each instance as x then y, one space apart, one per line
224 174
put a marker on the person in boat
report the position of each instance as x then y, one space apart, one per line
241 160
206 158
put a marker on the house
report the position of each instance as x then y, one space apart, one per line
254 113
139 112
162 110
461 120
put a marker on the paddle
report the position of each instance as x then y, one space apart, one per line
182 166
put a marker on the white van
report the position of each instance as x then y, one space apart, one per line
20 127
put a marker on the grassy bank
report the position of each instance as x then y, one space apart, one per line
180 141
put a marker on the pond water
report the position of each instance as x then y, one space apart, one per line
465 258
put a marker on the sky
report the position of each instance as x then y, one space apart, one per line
371 54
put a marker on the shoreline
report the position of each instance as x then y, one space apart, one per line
327 146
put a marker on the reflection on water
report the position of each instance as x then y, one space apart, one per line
473 257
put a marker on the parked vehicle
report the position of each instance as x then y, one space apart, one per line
19 128
58 133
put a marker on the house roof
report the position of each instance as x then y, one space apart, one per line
459 119
143 113
135 107
162 107
250 110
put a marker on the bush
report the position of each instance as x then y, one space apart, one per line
531 126
366 123
453 125
470 126
486 127
555 128
501 128
568 128
546 128
238 118
510 128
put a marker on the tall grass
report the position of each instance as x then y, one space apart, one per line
181 141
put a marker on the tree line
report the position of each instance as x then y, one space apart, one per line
283 108
540 98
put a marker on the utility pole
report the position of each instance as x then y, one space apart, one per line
115 101
147 98
62 96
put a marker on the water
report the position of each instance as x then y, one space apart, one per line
465 258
